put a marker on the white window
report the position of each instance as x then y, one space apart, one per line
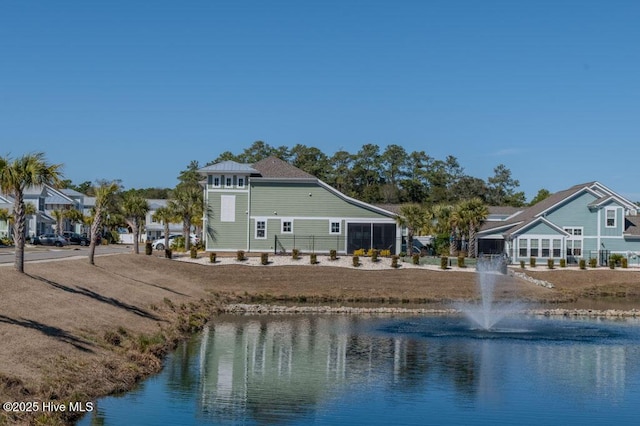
228 208
611 218
261 229
574 248
287 226
334 227
534 248
228 182
545 247
522 252
240 182
557 248
215 182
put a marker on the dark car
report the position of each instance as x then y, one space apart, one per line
50 240
75 238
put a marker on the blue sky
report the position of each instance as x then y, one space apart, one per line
551 89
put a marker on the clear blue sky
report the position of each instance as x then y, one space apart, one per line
551 89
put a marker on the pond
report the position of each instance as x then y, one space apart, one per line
366 370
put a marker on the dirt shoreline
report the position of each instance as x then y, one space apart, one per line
71 332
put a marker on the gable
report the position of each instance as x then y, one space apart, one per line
540 226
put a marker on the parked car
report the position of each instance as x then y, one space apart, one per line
159 243
75 238
51 240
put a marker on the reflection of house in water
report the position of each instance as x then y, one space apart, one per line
282 369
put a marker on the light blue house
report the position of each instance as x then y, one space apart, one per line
583 222
274 206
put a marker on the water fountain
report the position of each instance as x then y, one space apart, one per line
487 313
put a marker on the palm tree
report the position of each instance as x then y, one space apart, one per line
414 218
105 192
166 215
473 212
188 205
134 210
441 221
58 215
15 177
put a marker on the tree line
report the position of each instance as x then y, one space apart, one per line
391 175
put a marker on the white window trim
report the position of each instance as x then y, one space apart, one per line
571 230
615 217
282 221
213 182
255 226
244 179
331 222
228 178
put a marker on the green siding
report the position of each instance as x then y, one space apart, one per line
293 199
227 235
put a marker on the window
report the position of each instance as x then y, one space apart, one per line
534 248
241 182
228 208
261 229
215 181
228 182
334 227
611 218
523 247
574 248
287 227
545 247
557 248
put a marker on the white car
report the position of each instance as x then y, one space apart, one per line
159 243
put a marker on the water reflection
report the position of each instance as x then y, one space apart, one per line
334 369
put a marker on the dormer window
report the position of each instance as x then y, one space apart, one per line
240 182
228 182
215 181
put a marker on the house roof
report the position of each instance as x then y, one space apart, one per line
529 214
228 167
632 226
273 167
71 192
156 203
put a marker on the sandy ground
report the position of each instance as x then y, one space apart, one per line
58 320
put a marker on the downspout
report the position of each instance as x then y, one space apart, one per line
249 217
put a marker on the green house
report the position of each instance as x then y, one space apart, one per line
274 206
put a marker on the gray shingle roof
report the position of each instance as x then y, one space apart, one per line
632 226
273 167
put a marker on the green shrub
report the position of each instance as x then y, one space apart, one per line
178 243
168 253
313 258
550 263
374 255
148 249
212 257
583 264
563 263
264 258
295 254
415 259
612 264
624 262
522 264
461 262
444 261
240 255
193 252
356 261
616 258
359 252
394 261
532 262
403 254
333 254
593 262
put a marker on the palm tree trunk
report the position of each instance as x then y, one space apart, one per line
95 228
473 241
136 235
18 232
452 243
186 231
